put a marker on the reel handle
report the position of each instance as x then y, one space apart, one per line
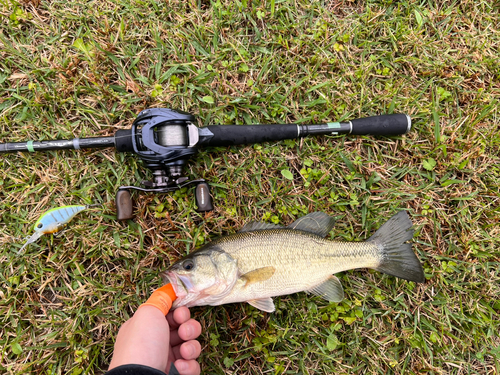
125 206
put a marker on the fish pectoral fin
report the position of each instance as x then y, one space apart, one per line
318 223
256 225
264 304
260 274
331 290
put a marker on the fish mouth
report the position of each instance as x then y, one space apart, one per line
179 287
182 288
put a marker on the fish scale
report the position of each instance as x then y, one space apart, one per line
264 261
292 252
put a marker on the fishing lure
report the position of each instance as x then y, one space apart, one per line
53 221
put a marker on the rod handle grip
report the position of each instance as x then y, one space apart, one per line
395 124
229 135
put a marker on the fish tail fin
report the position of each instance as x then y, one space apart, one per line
397 257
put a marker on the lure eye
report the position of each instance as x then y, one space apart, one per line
39 225
188 265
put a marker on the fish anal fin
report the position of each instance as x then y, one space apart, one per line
318 223
264 304
258 275
331 290
256 225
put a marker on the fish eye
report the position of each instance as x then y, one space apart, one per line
39 225
188 265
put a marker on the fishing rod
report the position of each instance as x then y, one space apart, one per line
164 139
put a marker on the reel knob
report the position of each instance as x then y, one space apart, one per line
124 205
203 197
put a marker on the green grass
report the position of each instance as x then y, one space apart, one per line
72 69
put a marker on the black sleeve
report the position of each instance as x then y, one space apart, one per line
140 370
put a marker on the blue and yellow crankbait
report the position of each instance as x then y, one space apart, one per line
54 220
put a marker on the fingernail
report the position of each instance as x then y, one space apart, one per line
188 331
181 366
190 349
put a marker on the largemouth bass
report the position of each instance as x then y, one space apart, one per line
266 260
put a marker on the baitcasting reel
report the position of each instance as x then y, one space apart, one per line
164 140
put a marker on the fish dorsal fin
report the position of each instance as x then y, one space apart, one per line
257 225
318 223
264 304
258 275
331 290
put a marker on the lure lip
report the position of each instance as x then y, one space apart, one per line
35 236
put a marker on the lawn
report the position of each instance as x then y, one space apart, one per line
87 68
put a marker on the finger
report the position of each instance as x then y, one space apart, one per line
178 316
174 338
187 367
188 350
182 315
187 331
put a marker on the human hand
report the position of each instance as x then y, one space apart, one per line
184 349
150 339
